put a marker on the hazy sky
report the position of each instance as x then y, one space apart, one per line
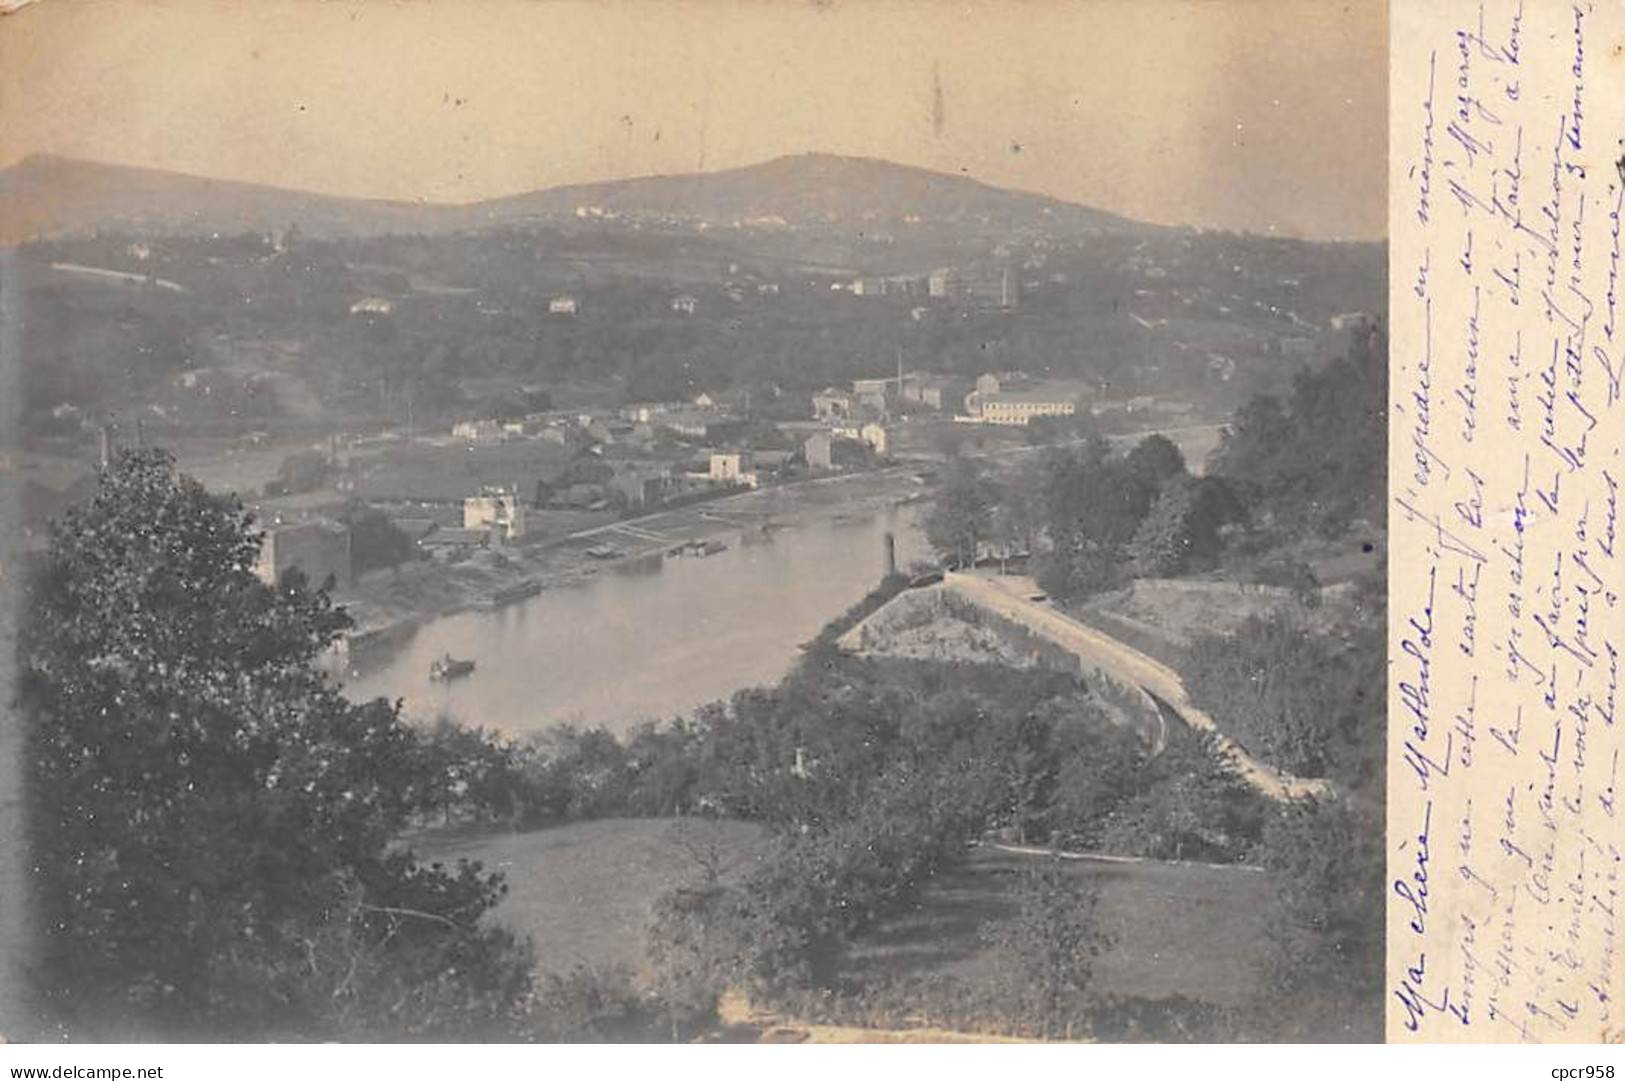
1248 114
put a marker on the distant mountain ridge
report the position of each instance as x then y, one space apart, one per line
46 195
809 188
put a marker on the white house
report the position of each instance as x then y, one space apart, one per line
832 404
498 508
878 436
477 431
816 450
733 467
1013 399
372 306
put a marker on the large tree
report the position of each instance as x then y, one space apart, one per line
1311 463
1094 504
1156 459
212 821
375 541
1181 531
961 520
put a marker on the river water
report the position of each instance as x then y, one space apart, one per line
650 639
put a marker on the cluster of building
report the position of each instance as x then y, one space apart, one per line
1014 398
882 398
1010 398
627 459
866 412
498 515
686 304
706 418
639 456
646 454
988 286
998 286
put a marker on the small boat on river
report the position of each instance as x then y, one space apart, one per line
449 668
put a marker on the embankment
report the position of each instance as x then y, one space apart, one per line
1091 653
940 623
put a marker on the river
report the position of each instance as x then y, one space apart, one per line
650 639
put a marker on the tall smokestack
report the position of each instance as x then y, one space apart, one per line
891 555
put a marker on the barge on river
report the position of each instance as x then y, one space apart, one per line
449 668
510 594
698 548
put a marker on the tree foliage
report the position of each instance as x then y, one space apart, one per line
212 818
1301 700
1310 700
1190 804
1093 505
375 541
1328 959
1181 532
1048 950
1317 459
301 471
961 520
1155 460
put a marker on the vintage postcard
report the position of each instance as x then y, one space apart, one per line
544 522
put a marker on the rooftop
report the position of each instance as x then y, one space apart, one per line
1055 391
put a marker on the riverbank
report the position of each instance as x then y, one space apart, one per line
388 604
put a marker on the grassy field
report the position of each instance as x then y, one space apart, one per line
584 891
451 470
1176 929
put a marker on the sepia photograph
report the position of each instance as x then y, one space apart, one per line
795 521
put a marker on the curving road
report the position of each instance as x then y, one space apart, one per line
1011 596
